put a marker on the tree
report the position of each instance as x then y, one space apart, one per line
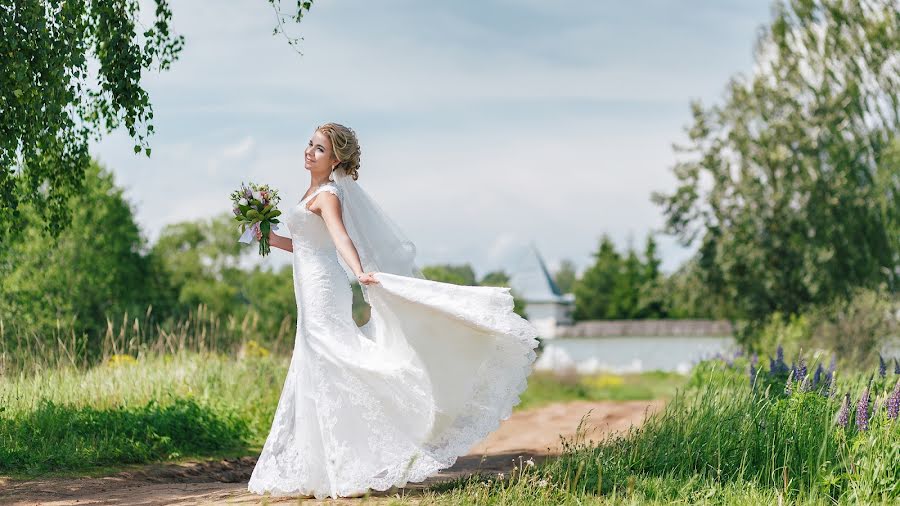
95 268
651 303
565 276
51 106
594 291
456 274
801 204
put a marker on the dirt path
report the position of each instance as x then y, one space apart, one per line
531 433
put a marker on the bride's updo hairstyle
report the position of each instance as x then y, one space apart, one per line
345 147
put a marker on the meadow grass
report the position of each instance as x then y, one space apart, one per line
137 410
545 387
729 437
67 418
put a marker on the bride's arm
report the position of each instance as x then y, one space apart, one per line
277 241
330 207
281 242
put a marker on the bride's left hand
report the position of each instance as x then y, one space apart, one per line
367 278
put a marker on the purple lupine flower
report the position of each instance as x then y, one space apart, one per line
772 366
896 366
779 353
893 402
817 376
801 369
882 366
752 374
844 412
788 386
794 370
862 411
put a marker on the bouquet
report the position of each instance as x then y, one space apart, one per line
254 207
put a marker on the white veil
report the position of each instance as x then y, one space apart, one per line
381 245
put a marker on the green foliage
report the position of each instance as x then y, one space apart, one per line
547 387
202 261
456 274
94 268
719 441
618 286
51 107
855 327
60 437
157 407
565 276
801 163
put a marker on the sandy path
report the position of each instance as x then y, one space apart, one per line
529 433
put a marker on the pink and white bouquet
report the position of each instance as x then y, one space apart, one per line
254 206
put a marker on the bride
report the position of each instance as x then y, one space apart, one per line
432 372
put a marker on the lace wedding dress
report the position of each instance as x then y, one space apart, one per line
431 374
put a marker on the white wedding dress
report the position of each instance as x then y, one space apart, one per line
433 372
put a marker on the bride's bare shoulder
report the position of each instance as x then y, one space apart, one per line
325 200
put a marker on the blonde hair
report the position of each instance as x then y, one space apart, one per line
345 147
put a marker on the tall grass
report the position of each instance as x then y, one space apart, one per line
200 331
734 435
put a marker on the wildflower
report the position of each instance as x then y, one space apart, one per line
882 366
242 201
529 462
754 359
500 475
752 374
896 366
801 369
844 413
862 410
772 366
817 376
893 402
788 386
542 483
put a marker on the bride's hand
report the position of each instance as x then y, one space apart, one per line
259 234
367 278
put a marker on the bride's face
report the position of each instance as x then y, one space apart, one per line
319 157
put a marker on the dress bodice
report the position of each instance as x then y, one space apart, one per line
308 231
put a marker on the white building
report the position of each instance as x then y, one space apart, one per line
545 306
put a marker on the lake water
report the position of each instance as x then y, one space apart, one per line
629 354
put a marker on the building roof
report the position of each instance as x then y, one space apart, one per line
532 282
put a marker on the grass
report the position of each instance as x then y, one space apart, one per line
129 411
725 439
547 387
68 419
731 434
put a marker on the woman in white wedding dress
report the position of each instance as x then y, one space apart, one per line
433 371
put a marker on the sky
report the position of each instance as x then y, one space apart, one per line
485 126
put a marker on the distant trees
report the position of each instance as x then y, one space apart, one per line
96 267
565 276
620 286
